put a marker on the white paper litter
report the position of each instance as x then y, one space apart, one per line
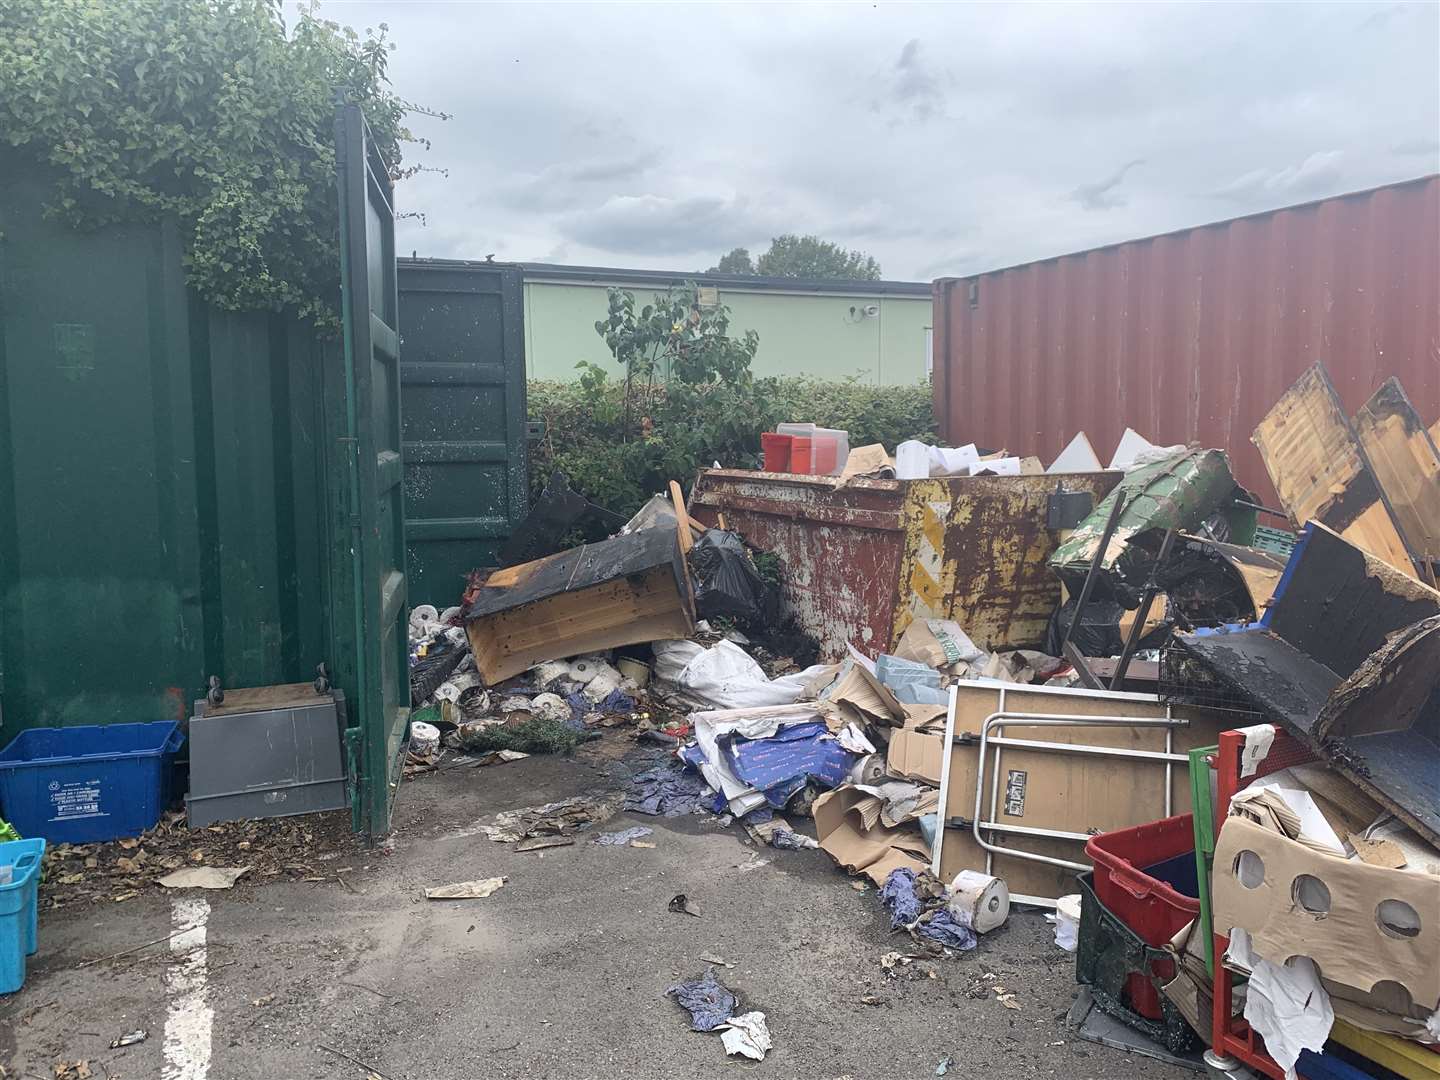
466 890
204 877
1258 740
1067 922
746 1034
854 740
1286 1004
1005 466
1134 450
1313 825
916 461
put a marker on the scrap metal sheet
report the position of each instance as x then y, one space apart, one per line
976 550
840 547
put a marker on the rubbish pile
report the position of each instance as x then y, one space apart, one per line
1211 747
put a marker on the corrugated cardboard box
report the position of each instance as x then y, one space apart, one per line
1372 929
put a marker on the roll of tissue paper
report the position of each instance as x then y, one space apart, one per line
980 900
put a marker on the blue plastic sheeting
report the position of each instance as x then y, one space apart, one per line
617 701
780 765
708 1003
667 790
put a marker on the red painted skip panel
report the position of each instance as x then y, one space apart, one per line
1192 336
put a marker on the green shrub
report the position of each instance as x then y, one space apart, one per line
678 429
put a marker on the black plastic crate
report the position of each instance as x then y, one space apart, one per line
1108 955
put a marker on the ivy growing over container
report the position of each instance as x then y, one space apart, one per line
212 112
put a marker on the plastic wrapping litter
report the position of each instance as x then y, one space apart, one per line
727 585
913 683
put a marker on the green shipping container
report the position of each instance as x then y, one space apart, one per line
161 479
186 492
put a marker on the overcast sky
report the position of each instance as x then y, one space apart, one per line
942 139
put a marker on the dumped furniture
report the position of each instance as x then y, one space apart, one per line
1376 483
1325 649
622 591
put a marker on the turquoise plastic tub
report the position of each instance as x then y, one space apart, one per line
19 910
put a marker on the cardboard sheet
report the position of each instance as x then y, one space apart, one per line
1346 941
874 852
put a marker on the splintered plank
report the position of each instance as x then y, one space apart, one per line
1320 471
1406 464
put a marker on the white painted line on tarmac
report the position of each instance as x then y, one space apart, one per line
189 1019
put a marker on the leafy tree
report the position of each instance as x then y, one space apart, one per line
735 261
676 338
206 111
810 257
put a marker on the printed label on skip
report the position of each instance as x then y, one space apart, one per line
75 800
1015 793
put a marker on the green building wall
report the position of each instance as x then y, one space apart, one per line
828 336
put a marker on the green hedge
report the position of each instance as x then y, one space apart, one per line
675 432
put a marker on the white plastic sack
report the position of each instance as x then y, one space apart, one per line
726 677
672 657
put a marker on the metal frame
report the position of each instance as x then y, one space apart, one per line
1004 717
370 592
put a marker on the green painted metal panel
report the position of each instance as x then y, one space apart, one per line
162 479
370 609
463 403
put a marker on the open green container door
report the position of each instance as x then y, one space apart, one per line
463 406
370 611
162 477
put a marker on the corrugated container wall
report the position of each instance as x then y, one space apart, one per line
1192 336
162 479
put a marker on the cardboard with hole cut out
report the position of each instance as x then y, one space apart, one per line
1347 941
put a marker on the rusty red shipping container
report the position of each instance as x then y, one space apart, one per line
1193 335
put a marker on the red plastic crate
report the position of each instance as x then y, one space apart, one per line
801 452
777 451
1153 908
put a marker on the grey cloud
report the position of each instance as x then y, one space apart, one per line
660 225
922 134
1417 148
912 87
1377 19
1317 173
567 184
1105 194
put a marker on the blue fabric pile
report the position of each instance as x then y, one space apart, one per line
931 919
708 1003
